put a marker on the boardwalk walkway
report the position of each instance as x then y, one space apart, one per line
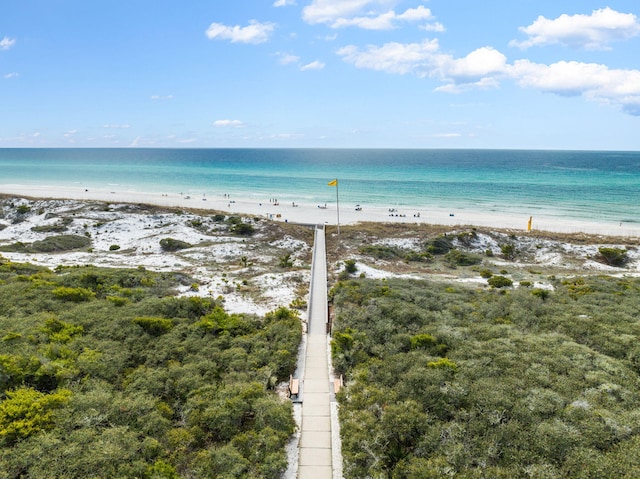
318 458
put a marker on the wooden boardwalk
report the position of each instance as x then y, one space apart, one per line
317 457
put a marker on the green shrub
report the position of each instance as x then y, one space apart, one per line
439 245
422 341
423 257
23 209
153 325
170 244
243 229
233 220
75 295
443 363
526 284
485 273
117 300
456 257
499 282
380 251
508 250
50 244
350 266
53 228
613 256
114 247
298 303
541 293
59 331
285 261
219 218
26 411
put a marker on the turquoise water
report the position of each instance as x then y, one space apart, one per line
583 185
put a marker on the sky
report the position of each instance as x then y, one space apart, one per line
524 74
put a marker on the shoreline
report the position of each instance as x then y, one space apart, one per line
306 213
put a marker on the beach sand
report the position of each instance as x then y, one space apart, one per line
216 264
305 213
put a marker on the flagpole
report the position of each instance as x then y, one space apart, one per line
335 183
337 207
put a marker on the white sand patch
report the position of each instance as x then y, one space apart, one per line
290 244
401 243
474 280
547 286
214 262
376 273
549 258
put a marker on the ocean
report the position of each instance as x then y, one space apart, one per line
600 186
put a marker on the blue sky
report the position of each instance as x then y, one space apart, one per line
320 73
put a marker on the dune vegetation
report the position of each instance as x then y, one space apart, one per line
105 373
454 380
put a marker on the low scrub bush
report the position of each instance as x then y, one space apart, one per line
381 251
170 244
75 295
439 245
242 229
153 325
499 282
51 244
613 256
456 257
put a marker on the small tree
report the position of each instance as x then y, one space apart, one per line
613 256
286 261
499 282
242 229
508 251
170 244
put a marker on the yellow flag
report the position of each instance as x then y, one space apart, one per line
529 223
333 183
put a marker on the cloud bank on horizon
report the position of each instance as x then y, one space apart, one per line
454 61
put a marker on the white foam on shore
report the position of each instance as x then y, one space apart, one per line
306 213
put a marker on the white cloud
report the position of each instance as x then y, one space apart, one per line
283 3
116 126
590 80
383 21
314 65
478 64
11 75
228 123
593 32
7 43
161 97
70 133
361 13
484 67
479 69
328 11
393 57
433 27
254 33
286 58
416 14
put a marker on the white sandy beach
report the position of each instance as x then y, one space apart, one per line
305 213
216 264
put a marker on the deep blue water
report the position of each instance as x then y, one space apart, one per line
593 185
